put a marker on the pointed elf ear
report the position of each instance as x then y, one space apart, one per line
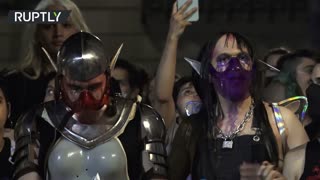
196 65
269 66
50 59
115 58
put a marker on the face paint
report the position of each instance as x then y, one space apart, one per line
234 82
223 61
192 107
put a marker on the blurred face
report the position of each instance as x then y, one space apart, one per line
121 75
304 72
187 93
52 36
316 74
3 110
49 92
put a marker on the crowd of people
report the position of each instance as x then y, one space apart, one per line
69 111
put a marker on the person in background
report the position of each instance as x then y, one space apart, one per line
49 95
151 89
306 159
316 74
186 103
294 77
6 144
272 58
29 80
132 80
313 95
174 100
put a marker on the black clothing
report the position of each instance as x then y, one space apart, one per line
184 147
25 93
195 151
313 129
215 162
5 164
228 161
313 95
312 161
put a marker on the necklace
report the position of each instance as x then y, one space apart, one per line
228 139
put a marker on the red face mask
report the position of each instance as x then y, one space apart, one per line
85 101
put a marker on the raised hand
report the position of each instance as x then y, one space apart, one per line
179 19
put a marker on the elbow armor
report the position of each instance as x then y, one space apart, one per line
25 156
153 135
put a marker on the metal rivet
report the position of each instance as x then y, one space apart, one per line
256 138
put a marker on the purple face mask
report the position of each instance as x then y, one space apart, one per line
233 83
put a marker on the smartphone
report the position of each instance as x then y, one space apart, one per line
195 3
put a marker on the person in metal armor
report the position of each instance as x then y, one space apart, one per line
88 132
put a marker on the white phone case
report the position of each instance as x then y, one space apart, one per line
195 3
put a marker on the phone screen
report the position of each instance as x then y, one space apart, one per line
195 3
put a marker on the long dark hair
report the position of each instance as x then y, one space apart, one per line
210 99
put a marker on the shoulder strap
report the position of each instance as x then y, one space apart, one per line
280 125
298 105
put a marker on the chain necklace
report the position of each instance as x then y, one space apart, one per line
228 139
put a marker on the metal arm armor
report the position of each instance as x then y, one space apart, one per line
25 155
153 135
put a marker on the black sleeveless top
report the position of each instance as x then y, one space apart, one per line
212 161
312 161
6 166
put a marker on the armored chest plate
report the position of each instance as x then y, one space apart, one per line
69 161
89 136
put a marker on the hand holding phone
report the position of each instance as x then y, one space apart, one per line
180 19
194 4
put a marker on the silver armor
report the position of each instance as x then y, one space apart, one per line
25 159
69 161
85 54
86 150
153 133
57 113
74 159
89 150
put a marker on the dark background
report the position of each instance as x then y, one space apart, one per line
142 26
